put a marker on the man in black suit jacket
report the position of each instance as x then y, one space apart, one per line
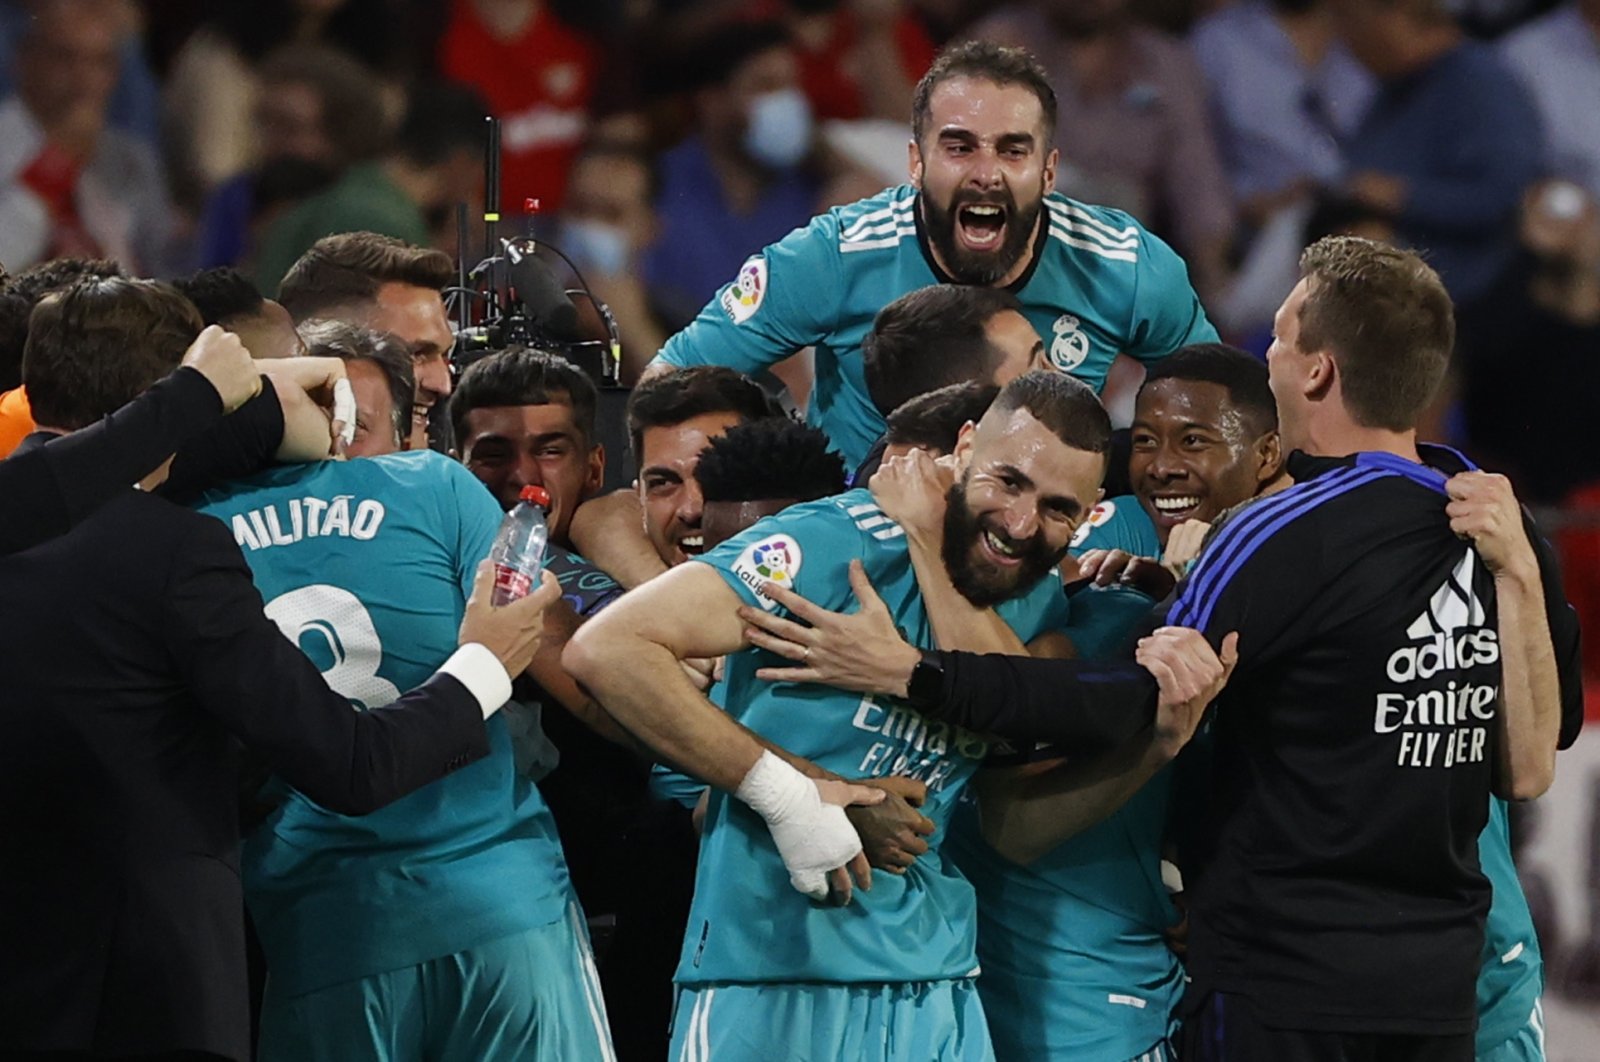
137 658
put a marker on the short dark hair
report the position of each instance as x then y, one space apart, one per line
987 61
714 56
353 115
1064 404
1241 374
221 294
442 117
931 338
523 376
99 344
935 420
22 291
347 269
1386 318
348 342
688 393
772 457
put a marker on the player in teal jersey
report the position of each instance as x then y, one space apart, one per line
1071 934
1510 1017
765 974
442 927
978 210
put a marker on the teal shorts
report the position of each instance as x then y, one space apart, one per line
532 995
931 1021
1526 1046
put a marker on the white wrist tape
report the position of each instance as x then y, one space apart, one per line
813 837
344 409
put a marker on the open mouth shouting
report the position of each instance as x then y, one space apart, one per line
692 545
981 227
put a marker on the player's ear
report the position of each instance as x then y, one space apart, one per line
1269 457
1051 162
963 448
914 164
597 471
1322 373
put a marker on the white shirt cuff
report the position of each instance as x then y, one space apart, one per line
481 672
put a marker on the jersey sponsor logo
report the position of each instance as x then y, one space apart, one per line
1446 721
1070 347
910 745
1099 516
292 521
743 297
775 559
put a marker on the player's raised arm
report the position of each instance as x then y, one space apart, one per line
629 656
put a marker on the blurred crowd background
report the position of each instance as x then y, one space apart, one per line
660 142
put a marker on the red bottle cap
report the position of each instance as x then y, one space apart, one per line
538 495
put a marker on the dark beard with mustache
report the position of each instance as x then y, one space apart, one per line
980 267
980 583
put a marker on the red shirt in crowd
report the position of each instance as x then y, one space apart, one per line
539 84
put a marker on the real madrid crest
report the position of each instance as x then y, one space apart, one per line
1070 347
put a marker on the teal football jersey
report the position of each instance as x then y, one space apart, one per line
367 565
1512 977
1104 616
747 923
1074 962
1099 285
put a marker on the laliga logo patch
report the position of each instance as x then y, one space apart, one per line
772 560
744 295
1099 516
1070 347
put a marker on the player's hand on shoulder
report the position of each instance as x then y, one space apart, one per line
1117 567
1483 509
892 831
221 357
512 632
859 651
1183 546
911 490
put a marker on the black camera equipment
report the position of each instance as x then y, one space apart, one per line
512 296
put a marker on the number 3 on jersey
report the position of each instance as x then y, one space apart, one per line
334 629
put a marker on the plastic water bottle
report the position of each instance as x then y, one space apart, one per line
518 552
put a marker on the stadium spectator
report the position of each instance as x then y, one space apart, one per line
606 227
409 193
382 283
1557 59
318 112
540 75
738 181
858 60
71 184
1449 144
135 106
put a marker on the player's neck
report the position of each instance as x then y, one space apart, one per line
1345 438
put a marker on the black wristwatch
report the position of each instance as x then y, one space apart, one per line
926 687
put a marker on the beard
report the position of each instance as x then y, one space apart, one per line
981 582
980 267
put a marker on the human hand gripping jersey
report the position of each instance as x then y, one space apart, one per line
366 565
1075 965
1354 745
747 923
1098 285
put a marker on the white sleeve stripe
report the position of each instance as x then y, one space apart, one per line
1080 229
1060 206
882 228
896 211
873 245
1084 245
